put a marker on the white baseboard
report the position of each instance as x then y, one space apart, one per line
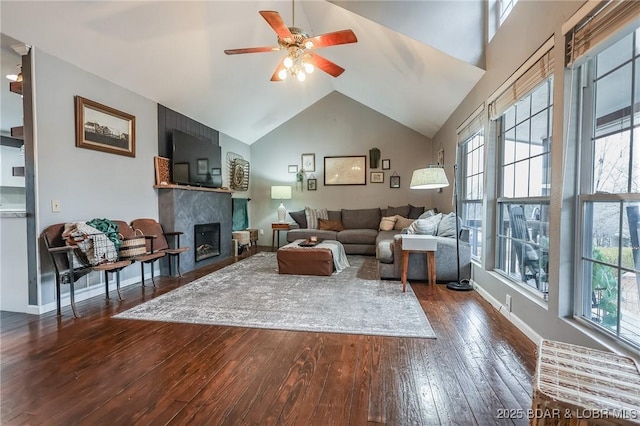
84 294
513 318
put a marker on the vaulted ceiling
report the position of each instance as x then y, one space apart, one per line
414 61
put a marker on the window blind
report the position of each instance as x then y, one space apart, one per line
471 125
538 72
600 25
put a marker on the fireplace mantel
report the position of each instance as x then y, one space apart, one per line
193 188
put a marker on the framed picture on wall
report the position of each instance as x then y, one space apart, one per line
346 170
308 162
377 177
293 168
386 164
394 181
105 129
203 166
312 184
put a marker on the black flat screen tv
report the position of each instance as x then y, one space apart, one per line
195 161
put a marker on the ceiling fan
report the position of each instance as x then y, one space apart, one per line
300 59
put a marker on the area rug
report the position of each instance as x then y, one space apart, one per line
251 293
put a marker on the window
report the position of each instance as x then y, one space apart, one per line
609 290
472 179
506 6
523 198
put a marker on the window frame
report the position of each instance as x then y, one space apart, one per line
479 201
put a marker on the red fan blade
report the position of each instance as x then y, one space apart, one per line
251 50
325 65
275 76
276 22
332 39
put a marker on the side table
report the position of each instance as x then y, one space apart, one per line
276 227
415 243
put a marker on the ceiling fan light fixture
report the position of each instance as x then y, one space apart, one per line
288 62
308 68
308 44
282 74
301 75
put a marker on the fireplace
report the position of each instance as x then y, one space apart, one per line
207 240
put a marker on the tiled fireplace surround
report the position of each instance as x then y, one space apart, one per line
182 209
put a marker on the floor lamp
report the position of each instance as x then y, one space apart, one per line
434 177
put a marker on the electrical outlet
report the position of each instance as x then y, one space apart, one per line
507 303
55 206
262 232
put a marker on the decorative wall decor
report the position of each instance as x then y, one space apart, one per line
163 170
181 172
394 181
105 129
347 170
386 164
240 175
374 158
377 177
293 168
309 162
312 184
203 166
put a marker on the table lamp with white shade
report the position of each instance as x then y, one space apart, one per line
281 193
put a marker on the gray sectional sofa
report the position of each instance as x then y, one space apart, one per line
360 234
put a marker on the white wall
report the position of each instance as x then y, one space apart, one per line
89 184
525 30
336 125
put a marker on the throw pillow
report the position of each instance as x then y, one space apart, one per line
300 218
313 215
402 222
427 214
400 211
447 226
330 225
387 223
428 226
415 212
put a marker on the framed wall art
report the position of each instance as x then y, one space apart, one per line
203 166
346 170
105 129
394 181
293 168
377 177
386 164
308 162
312 184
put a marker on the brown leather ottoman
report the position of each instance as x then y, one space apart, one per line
296 260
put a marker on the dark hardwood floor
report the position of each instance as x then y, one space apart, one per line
96 370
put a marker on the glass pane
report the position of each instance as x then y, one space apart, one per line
480 185
474 162
481 159
509 118
635 170
536 177
613 101
474 187
636 94
507 181
540 98
521 179
509 147
630 236
467 188
539 131
611 163
638 41
522 141
523 109
604 295
614 55
604 232
546 174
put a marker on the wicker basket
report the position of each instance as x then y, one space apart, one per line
133 246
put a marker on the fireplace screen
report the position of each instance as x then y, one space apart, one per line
207 240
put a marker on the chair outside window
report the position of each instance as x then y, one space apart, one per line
529 258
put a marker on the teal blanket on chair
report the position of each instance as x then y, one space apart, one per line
240 218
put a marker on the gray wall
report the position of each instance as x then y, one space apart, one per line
88 183
526 29
336 125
